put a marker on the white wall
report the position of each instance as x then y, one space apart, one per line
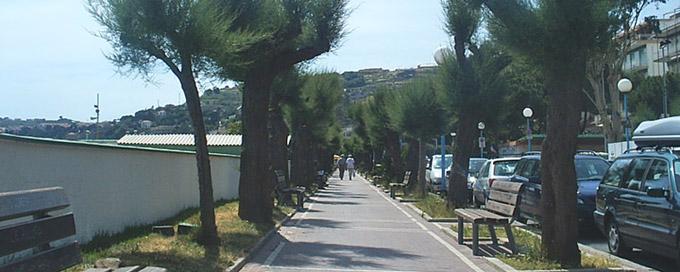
112 187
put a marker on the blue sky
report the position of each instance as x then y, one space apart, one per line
53 66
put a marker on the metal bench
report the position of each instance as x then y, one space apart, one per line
283 190
38 232
500 210
403 185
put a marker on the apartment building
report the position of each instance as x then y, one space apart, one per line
656 53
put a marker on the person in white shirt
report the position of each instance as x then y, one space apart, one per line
350 166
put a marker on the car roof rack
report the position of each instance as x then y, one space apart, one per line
586 152
657 148
661 132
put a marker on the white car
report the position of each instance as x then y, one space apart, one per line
433 173
492 170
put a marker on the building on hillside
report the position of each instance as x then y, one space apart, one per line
654 54
228 144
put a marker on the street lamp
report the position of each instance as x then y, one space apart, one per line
663 45
528 113
482 143
439 57
625 86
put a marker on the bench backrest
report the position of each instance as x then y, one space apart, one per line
280 180
407 176
37 233
504 197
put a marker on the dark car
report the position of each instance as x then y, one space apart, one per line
589 171
638 201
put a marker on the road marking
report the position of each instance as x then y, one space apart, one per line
439 239
455 251
272 256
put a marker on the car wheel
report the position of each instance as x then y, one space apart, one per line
614 241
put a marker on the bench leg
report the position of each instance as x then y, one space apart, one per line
511 238
392 189
475 239
492 231
460 230
301 200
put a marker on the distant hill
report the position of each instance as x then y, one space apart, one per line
220 108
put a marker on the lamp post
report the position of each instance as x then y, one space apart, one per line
528 113
481 126
96 110
663 44
625 86
439 57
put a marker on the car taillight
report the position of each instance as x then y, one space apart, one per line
491 180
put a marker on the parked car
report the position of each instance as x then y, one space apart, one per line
474 165
433 173
638 201
589 171
492 170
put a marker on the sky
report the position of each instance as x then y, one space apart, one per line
53 66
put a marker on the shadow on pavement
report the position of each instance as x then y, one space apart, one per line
316 223
342 256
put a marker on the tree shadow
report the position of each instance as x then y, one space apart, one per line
339 256
316 223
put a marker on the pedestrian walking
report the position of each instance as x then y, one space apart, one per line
350 166
342 163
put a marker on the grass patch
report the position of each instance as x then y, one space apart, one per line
530 257
138 246
435 207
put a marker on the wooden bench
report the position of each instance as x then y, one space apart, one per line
283 190
500 210
38 232
403 185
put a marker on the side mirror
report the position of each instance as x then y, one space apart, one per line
536 180
657 192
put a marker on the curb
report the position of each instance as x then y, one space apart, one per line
240 262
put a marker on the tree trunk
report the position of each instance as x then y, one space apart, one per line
300 154
395 152
421 168
558 197
279 140
464 144
207 204
412 161
256 185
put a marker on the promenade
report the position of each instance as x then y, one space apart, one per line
352 226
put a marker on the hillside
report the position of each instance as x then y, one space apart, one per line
221 107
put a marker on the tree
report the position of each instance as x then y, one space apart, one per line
312 119
471 77
558 37
381 133
302 30
417 113
606 68
179 34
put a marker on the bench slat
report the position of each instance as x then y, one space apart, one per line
507 186
499 207
22 203
508 198
55 259
25 235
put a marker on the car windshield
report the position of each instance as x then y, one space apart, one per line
504 168
475 165
437 162
590 169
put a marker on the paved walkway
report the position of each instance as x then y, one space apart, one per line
352 226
